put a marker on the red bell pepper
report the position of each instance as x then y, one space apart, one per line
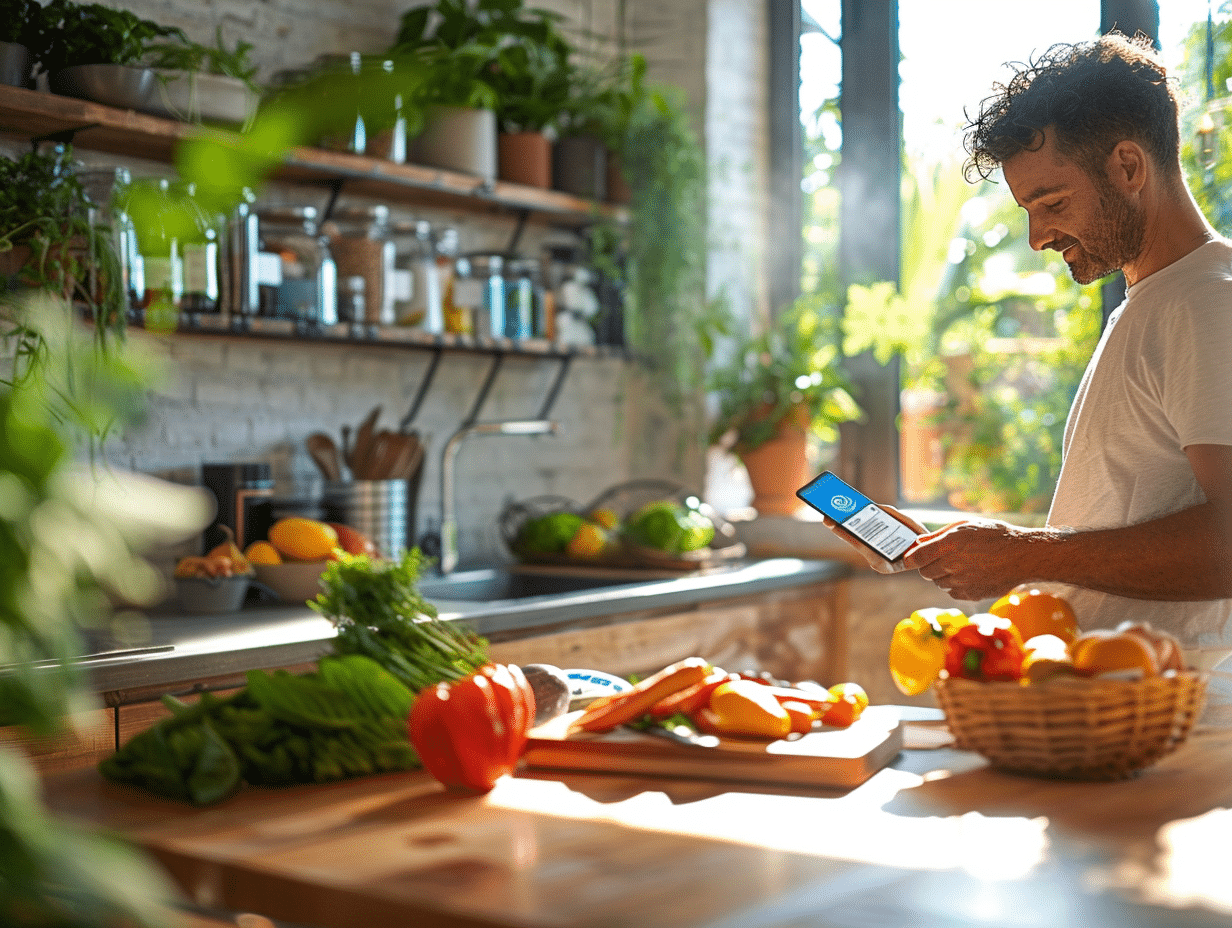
471 732
989 648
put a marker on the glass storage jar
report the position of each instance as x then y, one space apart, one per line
360 241
418 296
307 290
479 286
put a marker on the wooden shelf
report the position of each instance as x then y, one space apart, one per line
29 114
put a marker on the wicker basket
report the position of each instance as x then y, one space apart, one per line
1089 729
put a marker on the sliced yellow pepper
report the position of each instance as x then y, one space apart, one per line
918 647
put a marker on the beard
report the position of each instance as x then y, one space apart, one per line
1114 239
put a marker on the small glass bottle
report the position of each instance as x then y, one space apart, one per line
200 260
352 299
159 248
418 299
479 286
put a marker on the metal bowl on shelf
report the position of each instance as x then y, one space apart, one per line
111 84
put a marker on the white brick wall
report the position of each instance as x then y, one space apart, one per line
231 400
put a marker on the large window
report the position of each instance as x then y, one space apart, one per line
990 338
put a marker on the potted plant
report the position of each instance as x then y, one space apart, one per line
779 388
49 243
21 31
592 121
533 79
453 54
96 53
197 82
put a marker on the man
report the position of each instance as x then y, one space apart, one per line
1087 140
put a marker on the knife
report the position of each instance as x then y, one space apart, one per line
679 734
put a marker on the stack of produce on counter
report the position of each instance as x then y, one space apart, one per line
297 538
223 560
403 689
1029 636
666 526
347 719
694 693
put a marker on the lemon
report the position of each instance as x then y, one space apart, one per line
589 541
262 552
605 517
300 539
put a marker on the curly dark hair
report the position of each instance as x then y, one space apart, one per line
1093 95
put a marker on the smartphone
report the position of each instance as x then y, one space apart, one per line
858 515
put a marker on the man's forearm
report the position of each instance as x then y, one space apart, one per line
1183 556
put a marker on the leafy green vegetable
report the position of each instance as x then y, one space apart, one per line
378 611
347 719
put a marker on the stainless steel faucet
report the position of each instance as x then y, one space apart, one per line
449 522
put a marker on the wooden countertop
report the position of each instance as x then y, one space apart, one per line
937 839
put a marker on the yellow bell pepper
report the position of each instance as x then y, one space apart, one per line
918 647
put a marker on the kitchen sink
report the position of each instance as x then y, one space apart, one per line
491 584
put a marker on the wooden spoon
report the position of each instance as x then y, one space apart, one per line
362 451
325 453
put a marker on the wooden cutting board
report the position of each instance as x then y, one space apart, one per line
830 757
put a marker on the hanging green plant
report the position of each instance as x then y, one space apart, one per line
50 244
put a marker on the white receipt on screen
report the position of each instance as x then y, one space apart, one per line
876 527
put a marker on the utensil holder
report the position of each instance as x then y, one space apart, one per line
384 510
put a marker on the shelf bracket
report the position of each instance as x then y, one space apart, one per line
335 189
63 137
518 229
493 369
424 384
554 391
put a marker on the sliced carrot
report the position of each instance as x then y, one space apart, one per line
637 701
691 699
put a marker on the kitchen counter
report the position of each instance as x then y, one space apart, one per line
936 839
170 648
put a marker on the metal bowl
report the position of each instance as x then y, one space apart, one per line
210 595
112 84
14 64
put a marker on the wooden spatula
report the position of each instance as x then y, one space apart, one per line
325 453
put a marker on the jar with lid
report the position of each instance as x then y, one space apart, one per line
360 242
418 297
105 188
298 277
523 299
479 286
153 209
201 259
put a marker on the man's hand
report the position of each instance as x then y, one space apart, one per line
875 560
972 559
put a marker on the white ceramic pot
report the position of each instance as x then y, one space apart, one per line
459 139
193 96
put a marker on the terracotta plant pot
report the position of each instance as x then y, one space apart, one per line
525 158
779 467
617 187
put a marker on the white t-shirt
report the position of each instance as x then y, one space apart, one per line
1160 379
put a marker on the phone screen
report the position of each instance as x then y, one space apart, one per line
858 514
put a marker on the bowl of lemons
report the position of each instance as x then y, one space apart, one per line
292 558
